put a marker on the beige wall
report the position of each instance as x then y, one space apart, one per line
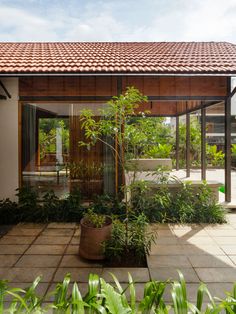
9 140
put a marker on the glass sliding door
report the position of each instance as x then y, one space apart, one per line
53 159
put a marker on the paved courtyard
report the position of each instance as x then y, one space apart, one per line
202 252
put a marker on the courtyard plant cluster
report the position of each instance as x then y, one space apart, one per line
106 298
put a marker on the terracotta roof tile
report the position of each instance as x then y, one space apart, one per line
102 57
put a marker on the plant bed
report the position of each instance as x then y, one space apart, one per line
127 260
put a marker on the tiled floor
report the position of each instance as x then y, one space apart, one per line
201 252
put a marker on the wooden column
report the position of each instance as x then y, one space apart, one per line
188 145
177 143
203 143
228 143
120 176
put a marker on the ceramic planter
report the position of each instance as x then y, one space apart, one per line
91 239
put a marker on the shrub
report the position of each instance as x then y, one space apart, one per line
103 297
187 206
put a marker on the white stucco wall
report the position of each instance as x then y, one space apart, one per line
9 140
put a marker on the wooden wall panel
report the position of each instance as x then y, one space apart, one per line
106 86
159 108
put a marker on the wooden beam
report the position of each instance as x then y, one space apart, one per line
177 143
203 143
228 143
188 145
5 89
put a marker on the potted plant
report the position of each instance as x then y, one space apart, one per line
95 230
116 116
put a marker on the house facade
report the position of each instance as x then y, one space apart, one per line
44 87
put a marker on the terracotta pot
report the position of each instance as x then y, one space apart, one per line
91 240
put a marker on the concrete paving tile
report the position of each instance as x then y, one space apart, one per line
157 249
158 226
62 225
216 274
17 239
138 274
165 273
40 289
177 261
167 240
198 249
233 258
197 240
187 227
191 292
20 231
77 261
218 227
8 260
38 261
58 232
77 232
30 225
46 249
75 240
187 233
225 240
229 249
72 249
210 261
222 233
77 274
17 274
164 232
13 249
52 240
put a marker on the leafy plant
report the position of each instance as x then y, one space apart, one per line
103 297
159 151
214 157
94 220
130 240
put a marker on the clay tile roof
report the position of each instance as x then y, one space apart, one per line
118 57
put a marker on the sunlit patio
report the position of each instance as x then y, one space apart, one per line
201 252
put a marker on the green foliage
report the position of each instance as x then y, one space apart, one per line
159 151
8 212
84 171
103 297
129 240
148 137
233 150
214 157
93 219
187 205
47 135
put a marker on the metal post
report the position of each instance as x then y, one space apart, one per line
203 143
120 176
188 145
177 143
228 143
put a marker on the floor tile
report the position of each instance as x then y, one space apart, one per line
20 231
210 261
30 225
58 232
62 225
233 258
166 249
75 240
77 274
225 240
52 240
17 239
17 274
138 274
229 249
222 233
164 273
8 260
217 274
167 240
188 233
197 249
72 249
77 261
46 249
13 249
38 261
168 261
